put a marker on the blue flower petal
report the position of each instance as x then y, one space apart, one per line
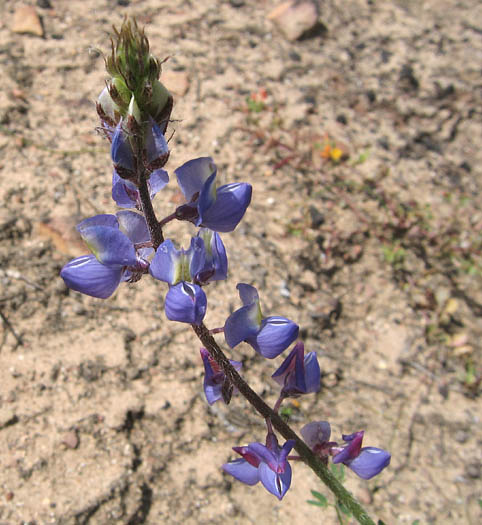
291 374
241 325
156 144
110 246
134 225
121 150
229 207
214 377
264 454
215 265
247 293
207 197
242 471
124 192
196 255
276 334
312 373
98 220
352 449
186 303
370 462
87 275
276 483
164 264
158 179
192 175
316 433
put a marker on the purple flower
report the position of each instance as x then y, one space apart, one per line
126 194
121 152
299 373
112 239
219 209
154 156
366 462
214 377
267 335
316 435
215 266
185 301
268 464
156 147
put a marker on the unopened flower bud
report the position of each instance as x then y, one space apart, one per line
134 111
108 110
158 100
120 93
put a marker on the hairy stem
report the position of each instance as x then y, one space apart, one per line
341 494
155 228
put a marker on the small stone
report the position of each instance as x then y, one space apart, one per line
71 440
45 4
461 436
472 470
407 80
317 217
294 19
176 82
26 20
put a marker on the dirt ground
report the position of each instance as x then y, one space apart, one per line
362 143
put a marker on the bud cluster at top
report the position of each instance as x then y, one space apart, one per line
133 87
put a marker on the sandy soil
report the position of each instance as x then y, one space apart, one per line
102 415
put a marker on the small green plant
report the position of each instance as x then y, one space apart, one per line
394 255
342 512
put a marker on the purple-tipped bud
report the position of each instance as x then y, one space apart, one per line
126 194
214 377
215 266
122 154
157 149
298 374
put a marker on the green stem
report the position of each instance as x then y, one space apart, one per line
315 463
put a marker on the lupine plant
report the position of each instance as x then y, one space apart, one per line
134 110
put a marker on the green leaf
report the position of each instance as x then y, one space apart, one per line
323 501
315 503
